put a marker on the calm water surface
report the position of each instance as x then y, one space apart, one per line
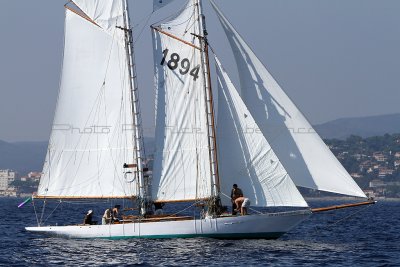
351 237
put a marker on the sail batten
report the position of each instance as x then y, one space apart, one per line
307 159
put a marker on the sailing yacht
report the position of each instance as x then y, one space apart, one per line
255 138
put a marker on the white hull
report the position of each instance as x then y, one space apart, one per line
270 226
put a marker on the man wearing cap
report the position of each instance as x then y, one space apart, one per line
235 193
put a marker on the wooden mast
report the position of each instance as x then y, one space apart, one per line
212 144
137 122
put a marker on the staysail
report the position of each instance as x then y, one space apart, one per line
92 135
305 156
245 157
182 162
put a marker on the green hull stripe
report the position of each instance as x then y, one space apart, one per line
218 236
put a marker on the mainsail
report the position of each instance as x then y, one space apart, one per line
92 135
182 162
245 157
305 156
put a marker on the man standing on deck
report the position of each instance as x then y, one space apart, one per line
235 193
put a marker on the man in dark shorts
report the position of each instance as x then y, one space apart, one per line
235 193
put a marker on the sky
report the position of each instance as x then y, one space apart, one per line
335 59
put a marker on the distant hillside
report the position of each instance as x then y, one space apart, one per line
364 126
22 156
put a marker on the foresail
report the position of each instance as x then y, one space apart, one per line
245 157
305 156
182 162
92 135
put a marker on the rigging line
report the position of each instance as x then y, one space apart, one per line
59 203
225 195
342 219
196 149
189 22
174 15
109 54
43 208
135 25
259 212
213 51
34 208
176 213
82 202
188 26
346 217
142 30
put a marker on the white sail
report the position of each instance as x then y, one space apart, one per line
92 135
182 161
107 14
305 156
157 4
245 157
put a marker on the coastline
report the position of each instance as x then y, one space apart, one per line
379 199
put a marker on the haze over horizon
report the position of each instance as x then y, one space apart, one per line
335 59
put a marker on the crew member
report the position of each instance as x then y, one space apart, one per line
235 193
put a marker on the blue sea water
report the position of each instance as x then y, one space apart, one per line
363 236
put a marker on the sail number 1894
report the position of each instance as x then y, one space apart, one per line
174 61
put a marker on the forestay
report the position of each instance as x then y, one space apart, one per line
305 156
182 164
245 157
92 133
